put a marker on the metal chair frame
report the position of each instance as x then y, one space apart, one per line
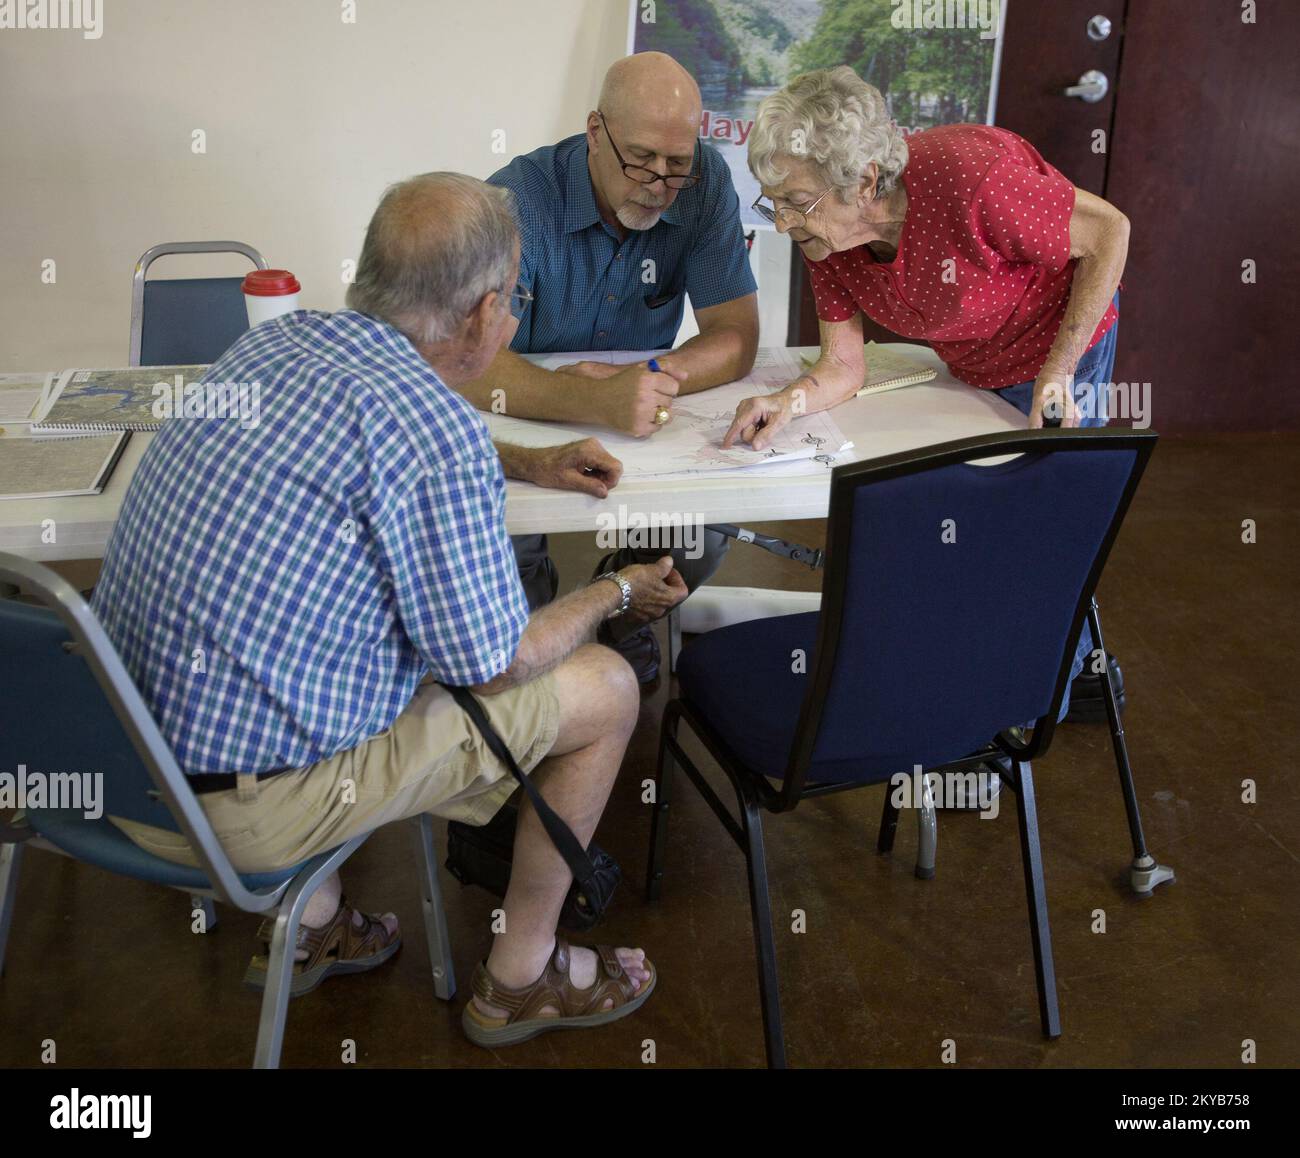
754 793
163 249
287 899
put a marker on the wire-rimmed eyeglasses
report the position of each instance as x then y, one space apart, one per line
793 218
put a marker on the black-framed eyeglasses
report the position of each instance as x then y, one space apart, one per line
793 218
643 176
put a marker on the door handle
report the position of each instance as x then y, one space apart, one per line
1099 28
1092 86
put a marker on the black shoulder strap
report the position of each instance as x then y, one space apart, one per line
575 856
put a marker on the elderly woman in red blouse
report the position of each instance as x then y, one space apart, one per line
961 235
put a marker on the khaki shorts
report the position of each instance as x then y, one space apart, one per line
432 759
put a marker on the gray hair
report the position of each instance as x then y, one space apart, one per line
833 118
436 245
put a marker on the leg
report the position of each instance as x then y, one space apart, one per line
927 830
308 895
435 917
663 794
599 702
208 908
769 990
1031 855
674 637
11 858
1144 873
888 822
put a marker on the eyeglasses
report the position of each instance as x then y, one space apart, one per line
521 295
794 218
644 176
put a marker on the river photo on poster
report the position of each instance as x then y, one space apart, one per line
934 61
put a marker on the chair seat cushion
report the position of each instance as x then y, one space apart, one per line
100 842
744 680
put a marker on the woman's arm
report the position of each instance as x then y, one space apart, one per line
835 377
1099 239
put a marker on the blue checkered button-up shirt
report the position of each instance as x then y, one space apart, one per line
588 288
278 592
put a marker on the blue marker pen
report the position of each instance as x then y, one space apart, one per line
661 415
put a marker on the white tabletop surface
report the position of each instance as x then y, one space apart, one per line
887 423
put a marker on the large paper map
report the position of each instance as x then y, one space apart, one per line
692 442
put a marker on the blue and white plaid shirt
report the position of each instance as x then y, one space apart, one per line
278 592
588 288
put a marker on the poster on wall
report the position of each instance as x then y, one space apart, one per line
934 61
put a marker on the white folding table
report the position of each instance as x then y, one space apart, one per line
887 423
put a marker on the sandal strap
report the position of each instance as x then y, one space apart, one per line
609 959
266 930
340 934
491 992
555 987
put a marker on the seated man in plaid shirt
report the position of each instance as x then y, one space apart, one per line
284 594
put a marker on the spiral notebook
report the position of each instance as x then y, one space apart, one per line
888 370
51 468
21 393
90 401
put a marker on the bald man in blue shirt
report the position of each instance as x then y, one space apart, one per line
619 226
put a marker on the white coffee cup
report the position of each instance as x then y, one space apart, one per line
268 293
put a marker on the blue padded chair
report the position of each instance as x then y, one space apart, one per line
930 650
70 707
188 321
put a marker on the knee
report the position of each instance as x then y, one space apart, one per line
613 682
602 684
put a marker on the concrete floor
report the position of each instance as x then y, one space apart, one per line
890 966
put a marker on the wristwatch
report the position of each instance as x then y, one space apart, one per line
623 585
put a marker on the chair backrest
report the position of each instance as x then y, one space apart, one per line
186 321
955 592
70 707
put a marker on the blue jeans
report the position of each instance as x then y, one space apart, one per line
1092 381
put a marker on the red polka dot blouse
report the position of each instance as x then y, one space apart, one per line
983 268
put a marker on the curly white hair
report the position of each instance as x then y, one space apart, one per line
833 118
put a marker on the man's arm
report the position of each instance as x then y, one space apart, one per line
625 400
528 391
722 351
721 288
555 632
584 466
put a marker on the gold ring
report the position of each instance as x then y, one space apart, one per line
662 415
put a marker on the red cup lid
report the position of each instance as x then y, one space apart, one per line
270 283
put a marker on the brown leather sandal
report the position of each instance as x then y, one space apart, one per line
339 947
579 1008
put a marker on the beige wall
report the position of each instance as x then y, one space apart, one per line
306 118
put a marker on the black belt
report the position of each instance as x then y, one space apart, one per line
206 782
